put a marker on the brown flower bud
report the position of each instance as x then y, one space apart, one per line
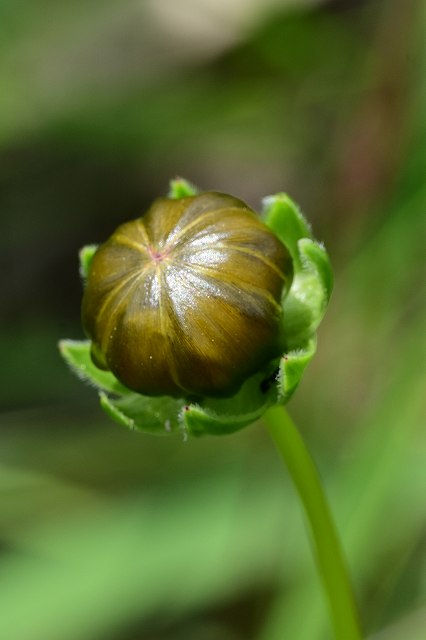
186 300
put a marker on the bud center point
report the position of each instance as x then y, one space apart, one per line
156 255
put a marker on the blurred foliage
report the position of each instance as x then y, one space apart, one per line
113 535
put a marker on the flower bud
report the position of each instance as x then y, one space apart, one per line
186 300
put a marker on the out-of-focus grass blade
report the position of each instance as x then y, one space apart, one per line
85 573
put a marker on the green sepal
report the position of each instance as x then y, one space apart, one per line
315 258
159 415
213 416
285 219
199 421
86 256
114 412
306 301
292 367
76 354
181 188
165 415
219 416
132 410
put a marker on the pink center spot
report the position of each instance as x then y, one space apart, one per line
157 256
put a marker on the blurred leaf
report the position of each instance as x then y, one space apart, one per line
86 574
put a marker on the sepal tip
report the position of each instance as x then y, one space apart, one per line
181 188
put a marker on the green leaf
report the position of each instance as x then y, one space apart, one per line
76 354
86 255
292 367
181 188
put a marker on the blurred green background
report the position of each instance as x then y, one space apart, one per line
112 535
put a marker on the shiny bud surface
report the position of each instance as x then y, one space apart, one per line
186 300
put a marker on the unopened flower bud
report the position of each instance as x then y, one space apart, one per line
186 300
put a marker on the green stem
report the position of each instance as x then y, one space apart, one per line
324 538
